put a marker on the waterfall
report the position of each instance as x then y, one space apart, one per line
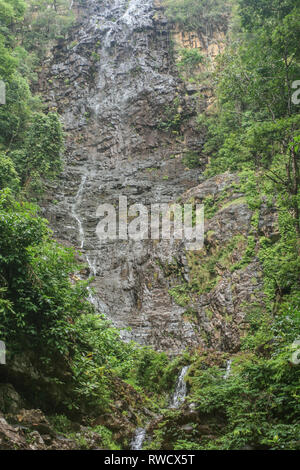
123 78
177 399
180 389
77 203
138 440
228 369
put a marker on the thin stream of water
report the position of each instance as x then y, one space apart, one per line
177 400
228 369
75 205
180 389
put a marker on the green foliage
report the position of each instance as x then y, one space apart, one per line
190 59
256 119
172 118
248 255
191 159
280 260
30 138
43 147
11 10
61 423
8 175
155 372
34 141
193 15
45 21
7 62
180 294
15 115
40 301
107 438
103 346
258 402
65 427
257 13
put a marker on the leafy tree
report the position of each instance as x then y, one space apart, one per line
45 21
264 13
257 125
8 174
38 302
190 59
16 114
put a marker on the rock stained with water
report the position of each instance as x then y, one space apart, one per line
129 121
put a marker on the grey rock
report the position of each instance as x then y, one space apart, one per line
114 88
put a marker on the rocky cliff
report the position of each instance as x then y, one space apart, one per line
130 123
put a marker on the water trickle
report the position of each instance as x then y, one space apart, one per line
81 236
75 205
228 369
138 440
180 389
92 266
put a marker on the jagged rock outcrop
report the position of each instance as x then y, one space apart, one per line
23 427
212 289
129 122
226 278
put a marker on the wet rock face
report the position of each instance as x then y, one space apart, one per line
216 286
129 121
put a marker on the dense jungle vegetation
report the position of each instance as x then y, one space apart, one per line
253 129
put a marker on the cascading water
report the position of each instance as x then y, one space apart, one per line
177 400
228 369
180 389
138 440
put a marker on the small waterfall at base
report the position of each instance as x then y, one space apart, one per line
228 369
138 440
177 399
180 389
